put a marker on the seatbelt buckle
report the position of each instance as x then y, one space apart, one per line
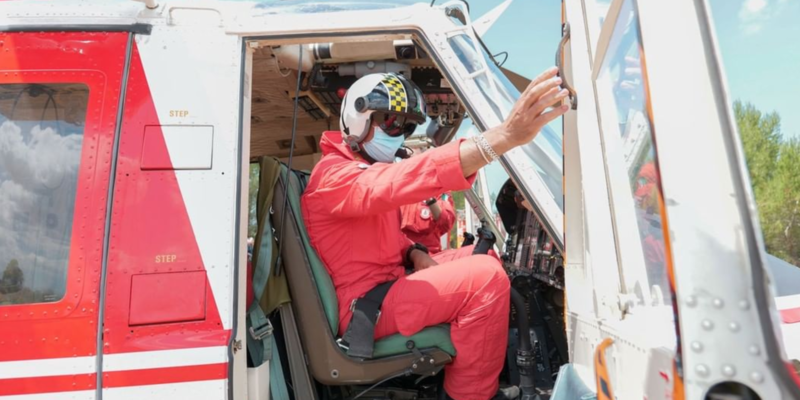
262 331
353 305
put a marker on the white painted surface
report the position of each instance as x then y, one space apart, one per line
790 332
190 147
165 358
76 395
203 390
258 382
47 367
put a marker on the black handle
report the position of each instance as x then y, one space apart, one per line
486 241
573 96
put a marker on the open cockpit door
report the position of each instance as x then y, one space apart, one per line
689 253
491 95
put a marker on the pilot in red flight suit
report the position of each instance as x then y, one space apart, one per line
426 221
352 211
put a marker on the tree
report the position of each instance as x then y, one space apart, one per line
774 165
458 201
761 139
13 278
780 212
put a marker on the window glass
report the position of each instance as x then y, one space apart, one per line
602 9
41 134
631 156
544 151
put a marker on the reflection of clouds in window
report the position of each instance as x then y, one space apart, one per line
38 181
40 160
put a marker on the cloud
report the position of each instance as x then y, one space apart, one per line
38 179
755 14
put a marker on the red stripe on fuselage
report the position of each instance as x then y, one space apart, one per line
47 384
155 376
166 375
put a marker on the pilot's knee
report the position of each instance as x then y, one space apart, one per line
489 268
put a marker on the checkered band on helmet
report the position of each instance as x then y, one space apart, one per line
398 100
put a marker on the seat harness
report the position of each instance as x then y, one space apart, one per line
359 339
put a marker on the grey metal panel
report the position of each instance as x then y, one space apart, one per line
786 276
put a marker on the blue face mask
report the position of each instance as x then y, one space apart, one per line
382 147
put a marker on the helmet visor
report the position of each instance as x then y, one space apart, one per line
394 124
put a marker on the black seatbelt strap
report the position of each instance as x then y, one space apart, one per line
359 339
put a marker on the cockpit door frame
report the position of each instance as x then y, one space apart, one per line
714 249
516 163
590 252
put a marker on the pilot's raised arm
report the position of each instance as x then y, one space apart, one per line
356 185
351 207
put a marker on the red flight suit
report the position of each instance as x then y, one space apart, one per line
352 212
419 225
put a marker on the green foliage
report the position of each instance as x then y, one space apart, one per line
780 211
458 201
774 165
761 139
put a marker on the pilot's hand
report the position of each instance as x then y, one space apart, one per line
535 108
421 260
532 110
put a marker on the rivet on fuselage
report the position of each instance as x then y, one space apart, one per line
707 324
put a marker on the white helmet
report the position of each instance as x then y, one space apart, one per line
392 102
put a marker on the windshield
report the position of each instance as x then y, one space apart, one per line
325 6
545 151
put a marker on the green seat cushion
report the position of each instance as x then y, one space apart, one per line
432 336
325 288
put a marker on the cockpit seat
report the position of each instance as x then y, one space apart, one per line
317 310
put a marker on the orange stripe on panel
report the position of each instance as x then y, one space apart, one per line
602 380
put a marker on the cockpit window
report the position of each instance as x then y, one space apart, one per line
545 151
499 92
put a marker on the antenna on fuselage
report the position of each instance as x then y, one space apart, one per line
485 21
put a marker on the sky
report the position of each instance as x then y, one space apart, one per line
759 41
